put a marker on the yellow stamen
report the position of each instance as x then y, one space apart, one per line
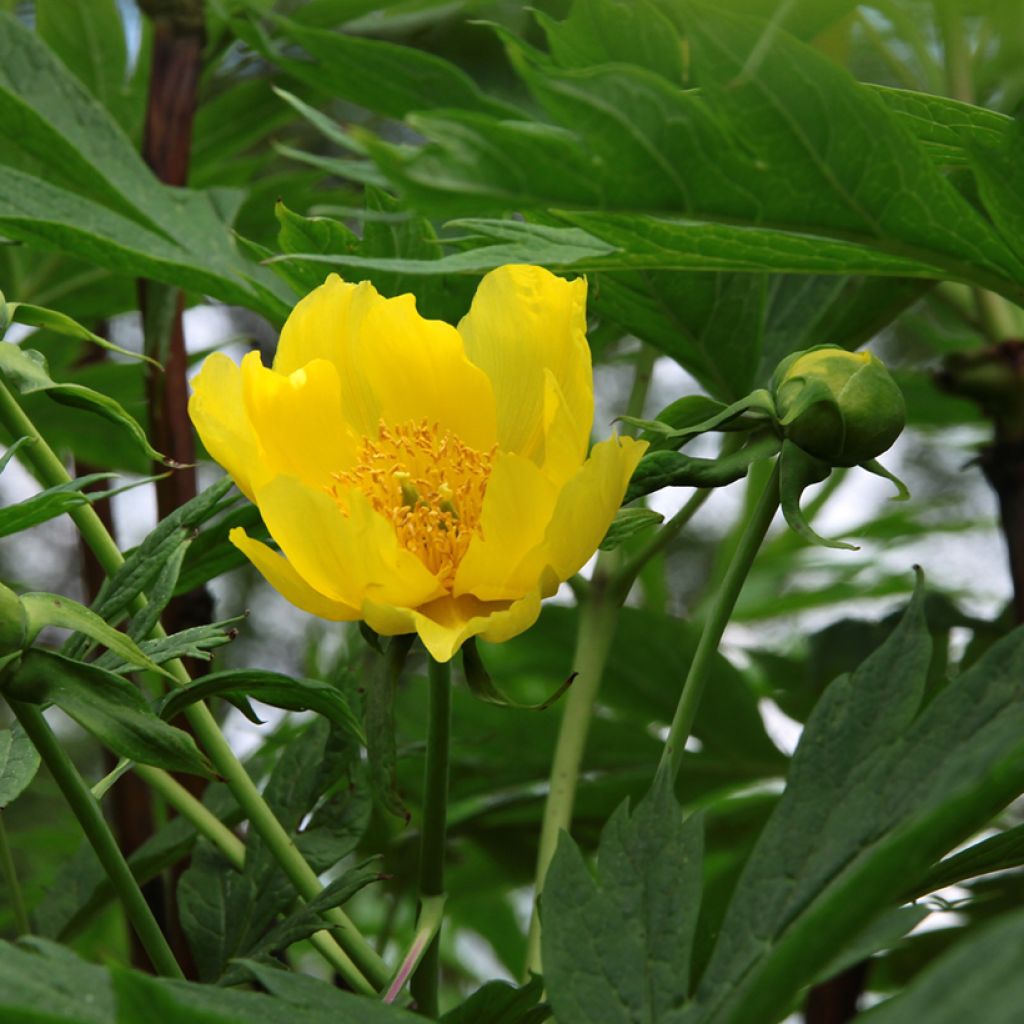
429 484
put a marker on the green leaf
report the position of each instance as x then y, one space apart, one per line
49 504
54 984
226 914
27 373
12 450
59 323
81 889
54 610
618 949
978 979
947 128
837 160
144 563
107 706
307 919
99 199
879 788
271 688
674 469
616 31
498 1002
996 853
91 43
19 762
389 79
629 522
194 642
685 245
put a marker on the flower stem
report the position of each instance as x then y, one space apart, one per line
598 617
232 849
424 985
431 917
21 921
51 472
83 805
714 626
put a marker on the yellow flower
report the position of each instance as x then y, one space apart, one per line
424 478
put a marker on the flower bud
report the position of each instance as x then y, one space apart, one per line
842 407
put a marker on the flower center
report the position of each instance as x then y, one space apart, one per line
429 484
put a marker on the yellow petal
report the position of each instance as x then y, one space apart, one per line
446 624
287 582
588 503
298 420
345 557
516 511
523 321
565 439
417 370
218 412
392 364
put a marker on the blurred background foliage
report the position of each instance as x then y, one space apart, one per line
418 144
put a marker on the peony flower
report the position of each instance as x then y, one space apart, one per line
423 478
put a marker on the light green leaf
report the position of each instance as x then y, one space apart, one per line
27 373
54 610
629 522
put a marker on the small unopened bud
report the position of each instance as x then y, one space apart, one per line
842 407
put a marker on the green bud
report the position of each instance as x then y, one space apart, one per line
842 407
13 622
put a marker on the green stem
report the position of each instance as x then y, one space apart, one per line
429 924
197 814
21 921
52 473
208 825
424 985
598 617
85 808
714 626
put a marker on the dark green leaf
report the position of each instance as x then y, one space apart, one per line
674 469
307 919
978 979
19 762
389 79
618 949
498 1002
878 790
272 688
997 853
107 706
